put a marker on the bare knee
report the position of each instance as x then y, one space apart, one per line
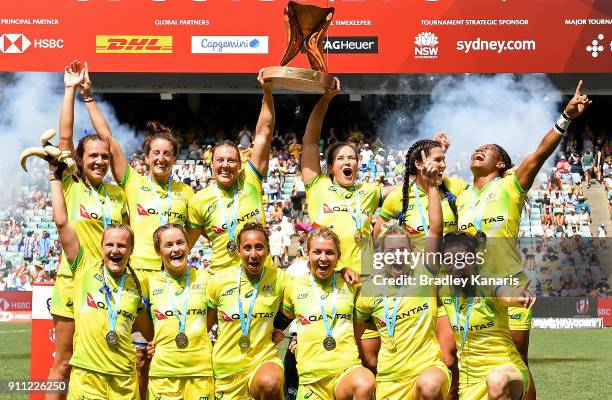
498 384
364 388
429 388
269 385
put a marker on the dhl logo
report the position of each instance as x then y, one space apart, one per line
133 44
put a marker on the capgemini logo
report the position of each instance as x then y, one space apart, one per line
254 44
595 47
426 45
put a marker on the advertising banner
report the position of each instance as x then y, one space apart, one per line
565 307
366 36
15 306
604 310
42 347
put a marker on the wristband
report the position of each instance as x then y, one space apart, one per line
88 99
562 124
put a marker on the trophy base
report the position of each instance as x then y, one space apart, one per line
299 79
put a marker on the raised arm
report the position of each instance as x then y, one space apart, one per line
531 165
264 129
311 163
68 237
430 172
119 163
515 297
73 76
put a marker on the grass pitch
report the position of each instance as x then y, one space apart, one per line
566 364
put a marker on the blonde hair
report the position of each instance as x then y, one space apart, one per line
389 229
158 232
123 227
325 233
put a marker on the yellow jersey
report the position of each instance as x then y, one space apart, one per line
222 295
336 207
488 343
416 218
89 210
314 362
206 214
414 345
152 205
91 319
167 296
496 210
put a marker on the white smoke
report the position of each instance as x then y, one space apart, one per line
514 111
30 104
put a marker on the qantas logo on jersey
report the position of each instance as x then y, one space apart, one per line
485 221
100 305
407 314
152 211
159 315
478 327
84 213
235 317
254 214
340 208
305 320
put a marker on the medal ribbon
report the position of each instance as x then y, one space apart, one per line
466 327
182 319
417 197
231 228
478 216
329 329
107 217
245 326
168 197
112 311
355 213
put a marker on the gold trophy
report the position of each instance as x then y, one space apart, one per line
306 25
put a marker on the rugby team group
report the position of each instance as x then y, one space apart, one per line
133 321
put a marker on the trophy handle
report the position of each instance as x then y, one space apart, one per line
314 44
295 38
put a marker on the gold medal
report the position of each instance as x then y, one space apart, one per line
112 339
329 343
392 344
244 342
231 246
181 340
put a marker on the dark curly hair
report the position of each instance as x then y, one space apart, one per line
253 226
503 157
412 156
157 130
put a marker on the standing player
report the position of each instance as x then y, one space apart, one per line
108 305
410 362
94 206
338 202
182 365
221 209
492 208
490 366
243 300
323 303
408 205
153 199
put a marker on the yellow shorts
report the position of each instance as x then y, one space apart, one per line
63 297
236 387
478 390
86 385
179 388
519 318
403 388
323 389
370 334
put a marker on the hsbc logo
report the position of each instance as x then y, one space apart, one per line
17 43
4 305
582 306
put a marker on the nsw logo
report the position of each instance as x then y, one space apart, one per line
426 46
